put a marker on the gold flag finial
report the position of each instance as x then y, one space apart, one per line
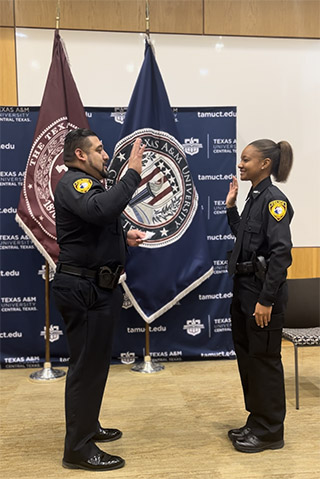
58 15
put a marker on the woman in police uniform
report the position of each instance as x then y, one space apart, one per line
259 262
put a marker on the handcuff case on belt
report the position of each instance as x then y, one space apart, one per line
107 279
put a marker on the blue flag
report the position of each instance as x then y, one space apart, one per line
175 258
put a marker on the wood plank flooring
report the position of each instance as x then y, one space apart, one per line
174 424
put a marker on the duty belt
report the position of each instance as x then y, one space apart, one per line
76 271
104 276
248 267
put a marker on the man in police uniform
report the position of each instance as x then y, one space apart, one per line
91 260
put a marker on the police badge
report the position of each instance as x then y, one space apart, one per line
278 209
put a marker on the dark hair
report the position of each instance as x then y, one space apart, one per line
280 154
76 139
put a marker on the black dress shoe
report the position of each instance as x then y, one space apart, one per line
251 443
234 434
106 435
100 462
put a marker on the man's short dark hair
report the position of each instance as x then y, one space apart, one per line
76 139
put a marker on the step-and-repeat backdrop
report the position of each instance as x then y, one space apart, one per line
196 328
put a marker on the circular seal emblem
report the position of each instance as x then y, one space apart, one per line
165 202
44 169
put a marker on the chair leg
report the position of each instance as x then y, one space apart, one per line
296 374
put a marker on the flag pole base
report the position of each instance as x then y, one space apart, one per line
47 374
148 366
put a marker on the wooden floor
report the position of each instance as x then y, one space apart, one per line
174 424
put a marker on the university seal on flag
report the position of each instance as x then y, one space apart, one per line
44 169
166 201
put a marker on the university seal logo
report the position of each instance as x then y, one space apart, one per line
44 169
119 115
126 302
193 326
128 357
192 146
166 201
54 333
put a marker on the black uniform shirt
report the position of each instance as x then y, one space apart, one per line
266 233
89 230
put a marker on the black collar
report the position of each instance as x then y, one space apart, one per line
255 192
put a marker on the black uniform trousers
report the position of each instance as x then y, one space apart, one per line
258 353
89 313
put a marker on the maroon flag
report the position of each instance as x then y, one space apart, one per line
61 110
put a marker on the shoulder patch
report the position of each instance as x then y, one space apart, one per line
278 209
83 185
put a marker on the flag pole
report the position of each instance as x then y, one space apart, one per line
58 15
47 350
147 19
148 366
47 373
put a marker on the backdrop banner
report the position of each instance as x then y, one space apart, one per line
196 328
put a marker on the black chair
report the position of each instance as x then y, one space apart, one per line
302 320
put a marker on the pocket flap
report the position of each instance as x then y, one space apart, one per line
252 227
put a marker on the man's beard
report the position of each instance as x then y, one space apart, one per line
103 172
